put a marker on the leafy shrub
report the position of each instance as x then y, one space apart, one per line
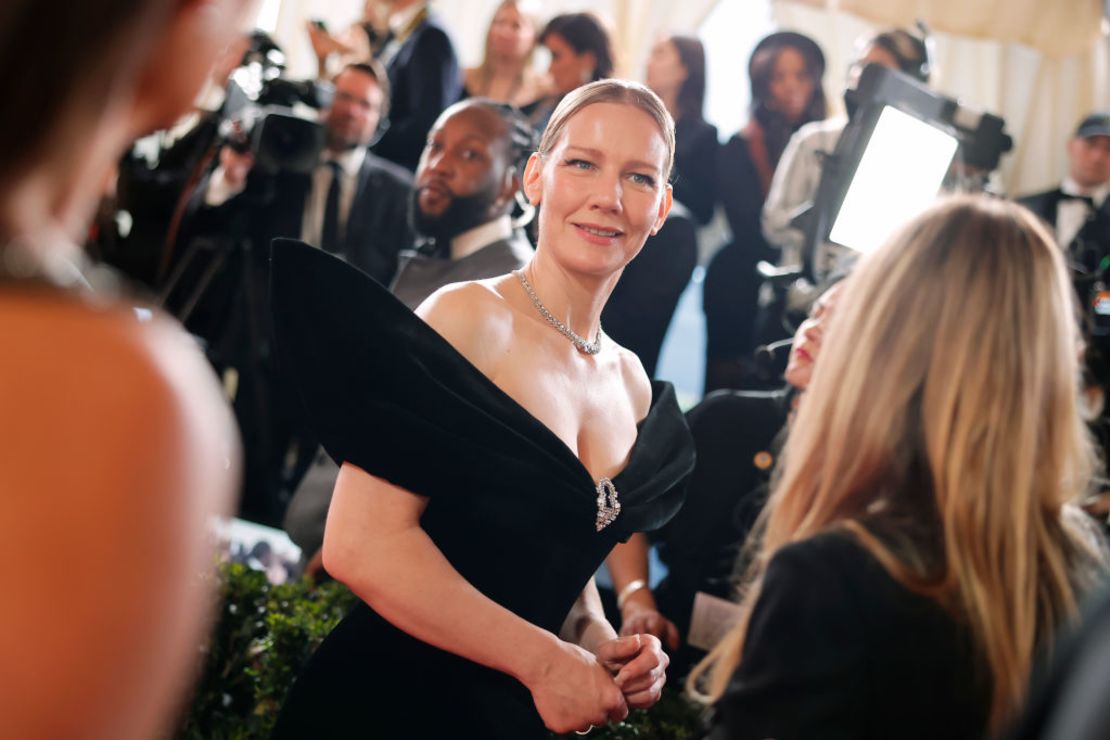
264 635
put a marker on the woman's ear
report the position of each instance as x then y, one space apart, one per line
589 59
533 178
665 204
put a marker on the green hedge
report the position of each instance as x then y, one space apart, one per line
264 635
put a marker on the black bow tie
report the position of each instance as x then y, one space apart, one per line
1080 198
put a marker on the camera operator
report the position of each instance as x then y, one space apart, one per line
350 203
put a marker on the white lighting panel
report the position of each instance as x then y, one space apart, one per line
899 175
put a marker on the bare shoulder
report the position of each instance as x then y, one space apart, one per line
119 449
635 380
474 318
134 394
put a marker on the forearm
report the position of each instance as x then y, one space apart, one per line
586 625
417 589
629 567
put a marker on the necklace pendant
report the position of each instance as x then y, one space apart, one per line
608 506
580 343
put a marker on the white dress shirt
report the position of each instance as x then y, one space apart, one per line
471 240
350 162
1072 214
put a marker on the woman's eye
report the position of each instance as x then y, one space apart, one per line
579 164
641 179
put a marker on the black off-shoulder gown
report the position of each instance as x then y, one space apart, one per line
510 505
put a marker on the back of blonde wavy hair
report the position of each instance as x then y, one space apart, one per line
946 393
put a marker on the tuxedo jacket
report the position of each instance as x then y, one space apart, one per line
424 78
1092 243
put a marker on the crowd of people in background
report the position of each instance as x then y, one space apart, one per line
922 479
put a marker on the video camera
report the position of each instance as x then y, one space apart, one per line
904 143
260 112
902 146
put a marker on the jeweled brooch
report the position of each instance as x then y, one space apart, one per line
608 507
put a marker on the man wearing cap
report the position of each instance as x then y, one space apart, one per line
1077 209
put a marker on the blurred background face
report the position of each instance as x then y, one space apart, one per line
790 86
871 55
355 111
568 68
511 35
462 172
807 340
1089 160
665 73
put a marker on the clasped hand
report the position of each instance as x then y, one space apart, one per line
638 666
581 689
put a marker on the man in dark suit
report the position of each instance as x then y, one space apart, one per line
462 204
352 204
424 76
1077 210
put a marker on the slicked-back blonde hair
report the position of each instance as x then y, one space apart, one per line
611 91
946 395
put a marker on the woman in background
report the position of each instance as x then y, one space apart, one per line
919 548
676 73
581 51
116 448
785 71
358 42
506 73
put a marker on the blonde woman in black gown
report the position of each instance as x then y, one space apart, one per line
491 458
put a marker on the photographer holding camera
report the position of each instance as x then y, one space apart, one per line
353 203
345 200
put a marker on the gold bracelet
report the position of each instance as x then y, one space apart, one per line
628 590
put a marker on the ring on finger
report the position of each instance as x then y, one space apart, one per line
586 731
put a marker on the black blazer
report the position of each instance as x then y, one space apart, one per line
731 289
273 206
836 648
641 306
736 438
695 159
425 79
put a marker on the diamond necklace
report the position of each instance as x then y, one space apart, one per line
583 346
